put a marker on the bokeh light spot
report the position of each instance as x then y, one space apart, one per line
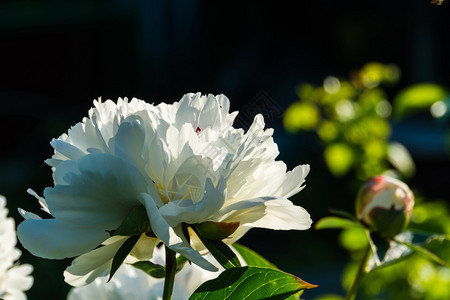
331 85
438 109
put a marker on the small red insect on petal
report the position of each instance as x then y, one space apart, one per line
197 130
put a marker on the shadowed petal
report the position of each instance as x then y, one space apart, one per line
51 238
85 268
103 192
169 237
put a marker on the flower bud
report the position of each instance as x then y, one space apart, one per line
385 204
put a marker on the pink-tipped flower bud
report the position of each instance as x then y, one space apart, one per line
385 204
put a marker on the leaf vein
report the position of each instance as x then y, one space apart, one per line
282 286
242 281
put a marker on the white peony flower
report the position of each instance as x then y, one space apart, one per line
182 163
14 278
130 283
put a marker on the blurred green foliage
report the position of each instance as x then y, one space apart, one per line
351 117
416 277
419 97
405 274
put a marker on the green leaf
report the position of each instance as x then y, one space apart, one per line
251 283
337 222
439 244
416 97
151 269
221 252
135 223
339 158
343 213
430 243
122 253
252 258
301 116
394 254
353 238
436 248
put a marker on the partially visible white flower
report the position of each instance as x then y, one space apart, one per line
14 278
132 284
181 163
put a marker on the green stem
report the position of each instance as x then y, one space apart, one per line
359 275
171 269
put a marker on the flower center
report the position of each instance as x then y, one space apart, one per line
182 186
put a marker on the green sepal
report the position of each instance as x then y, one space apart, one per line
154 270
217 230
337 223
185 230
388 222
181 262
252 258
122 253
251 283
221 252
135 223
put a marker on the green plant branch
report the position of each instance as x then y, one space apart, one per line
359 275
171 269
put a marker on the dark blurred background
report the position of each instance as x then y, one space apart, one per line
57 56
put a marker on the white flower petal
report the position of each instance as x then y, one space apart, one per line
176 212
128 142
184 162
14 278
274 214
51 238
85 268
67 149
143 250
192 255
159 225
64 171
268 212
101 193
293 181
169 237
19 278
131 283
28 215
41 200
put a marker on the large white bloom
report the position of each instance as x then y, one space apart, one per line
182 163
14 279
133 284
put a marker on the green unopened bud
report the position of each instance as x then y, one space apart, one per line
385 204
217 230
